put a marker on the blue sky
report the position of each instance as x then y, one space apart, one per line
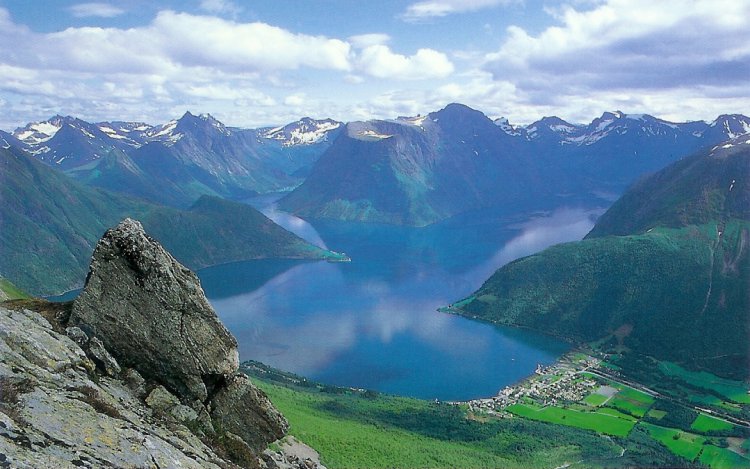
255 63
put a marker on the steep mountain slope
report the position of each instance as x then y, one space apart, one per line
419 170
693 191
679 293
67 142
177 162
50 224
414 171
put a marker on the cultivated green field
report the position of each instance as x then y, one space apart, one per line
679 442
631 401
595 400
703 423
607 421
657 414
733 390
722 458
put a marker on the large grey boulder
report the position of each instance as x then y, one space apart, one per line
152 315
244 410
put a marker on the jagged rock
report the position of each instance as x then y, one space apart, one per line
135 382
94 350
161 400
143 309
102 358
165 402
243 409
53 415
152 315
292 454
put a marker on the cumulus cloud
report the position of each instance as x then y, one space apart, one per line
96 9
379 61
628 45
427 9
371 39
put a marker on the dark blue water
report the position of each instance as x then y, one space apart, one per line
373 323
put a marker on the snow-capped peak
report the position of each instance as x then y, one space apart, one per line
733 125
164 133
305 131
506 126
36 133
417 120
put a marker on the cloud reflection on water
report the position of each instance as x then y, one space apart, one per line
316 316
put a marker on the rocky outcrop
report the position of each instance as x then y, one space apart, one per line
151 313
243 409
138 372
56 411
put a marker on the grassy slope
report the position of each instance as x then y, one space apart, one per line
350 430
8 291
50 225
654 284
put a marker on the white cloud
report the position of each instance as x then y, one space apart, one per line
364 40
295 100
379 61
427 9
628 45
171 44
97 9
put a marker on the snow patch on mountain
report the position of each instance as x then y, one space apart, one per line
416 120
373 134
38 132
507 127
306 131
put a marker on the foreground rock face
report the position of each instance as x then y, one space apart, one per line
55 412
139 372
151 313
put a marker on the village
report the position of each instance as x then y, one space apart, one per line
565 381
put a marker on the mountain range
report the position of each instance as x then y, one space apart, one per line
50 224
417 171
177 162
408 170
664 272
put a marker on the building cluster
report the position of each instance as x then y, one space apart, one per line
560 383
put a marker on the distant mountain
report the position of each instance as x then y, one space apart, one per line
665 272
306 131
50 224
413 171
177 162
423 169
67 141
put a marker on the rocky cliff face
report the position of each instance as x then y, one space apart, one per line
137 372
153 315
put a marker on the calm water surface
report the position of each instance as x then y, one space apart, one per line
372 323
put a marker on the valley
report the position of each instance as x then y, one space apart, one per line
499 331
375 235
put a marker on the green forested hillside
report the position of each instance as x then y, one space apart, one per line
695 190
676 294
680 293
51 223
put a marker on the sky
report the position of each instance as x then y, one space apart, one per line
254 63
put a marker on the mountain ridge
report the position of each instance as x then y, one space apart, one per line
651 277
50 224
